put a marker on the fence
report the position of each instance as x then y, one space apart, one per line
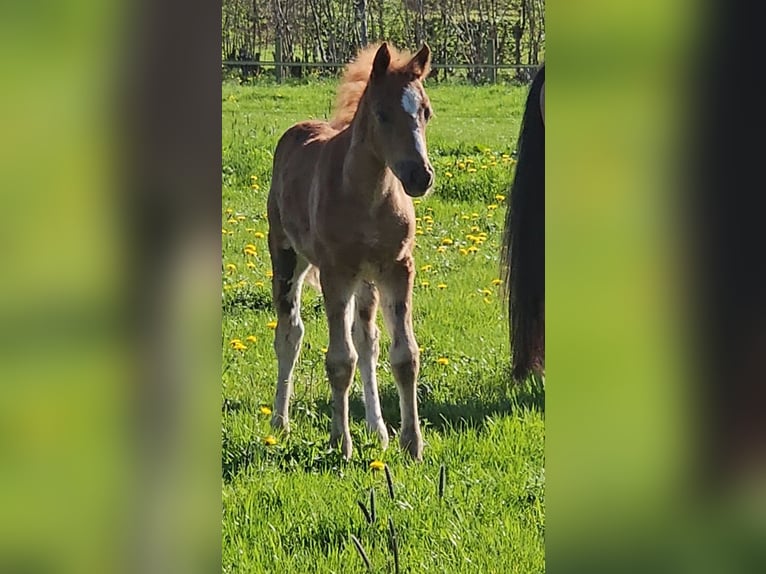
279 68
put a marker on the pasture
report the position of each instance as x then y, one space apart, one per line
289 503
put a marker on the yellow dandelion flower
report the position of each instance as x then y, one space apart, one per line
429 229
251 338
231 268
483 166
505 156
447 241
324 350
227 287
417 201
464 217
463 251
473 249
269 274
486 300
426 268
223 231
443 361
265 410
259 283
241 217
496 282
250 265
442 285
461 165
418 232
259 234
475 228
271 324
447 174
486 292
469 160
500 197
255 187
232 220
254 177
250 249
269 441
229 211
441 249
377 465
424 283
471 170
237 345
475 215
241 284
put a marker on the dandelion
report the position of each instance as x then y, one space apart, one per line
424 283
486 292
475 216
464 217
493 206
441 249
250 265
241 217
229 211
417 201
496 282
475 229
499 197
377 465
447 241
473 249
251 338
269 441
486 300
324 350
443 361
223 231
237 345
265 411
272 325
250 249
418 232
447 174
463 251
259 234
442 286
269 274
471 170
232 220
426 268
259 283
231 268
461 165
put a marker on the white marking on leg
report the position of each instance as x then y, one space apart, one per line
287 344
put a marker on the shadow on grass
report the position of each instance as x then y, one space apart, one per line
492 398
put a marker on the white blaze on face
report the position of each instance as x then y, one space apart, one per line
411 101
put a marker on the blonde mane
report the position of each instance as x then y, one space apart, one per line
355 80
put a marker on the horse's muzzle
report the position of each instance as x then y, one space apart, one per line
416 177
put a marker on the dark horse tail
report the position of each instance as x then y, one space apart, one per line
523 249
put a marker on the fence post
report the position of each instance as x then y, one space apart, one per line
492 53
278 60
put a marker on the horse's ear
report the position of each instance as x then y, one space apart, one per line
381 61
420 64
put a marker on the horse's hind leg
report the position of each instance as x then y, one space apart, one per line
365 334
289 271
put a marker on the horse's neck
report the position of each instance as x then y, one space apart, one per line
364 172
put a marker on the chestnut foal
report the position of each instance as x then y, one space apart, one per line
340 202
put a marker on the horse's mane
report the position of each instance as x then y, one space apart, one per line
355 80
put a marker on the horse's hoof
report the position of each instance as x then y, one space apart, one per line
346 447
379 428
411 441
280 423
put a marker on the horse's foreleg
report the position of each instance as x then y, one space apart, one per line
366 336
341 357
289 270
396 292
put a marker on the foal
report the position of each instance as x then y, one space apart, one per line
340 202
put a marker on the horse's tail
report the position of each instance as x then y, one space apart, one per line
523 249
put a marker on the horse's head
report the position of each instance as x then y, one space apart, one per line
400 110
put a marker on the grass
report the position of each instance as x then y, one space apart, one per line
294 506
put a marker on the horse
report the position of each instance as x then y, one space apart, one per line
340 208
523 241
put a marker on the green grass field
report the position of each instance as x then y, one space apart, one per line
292 506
